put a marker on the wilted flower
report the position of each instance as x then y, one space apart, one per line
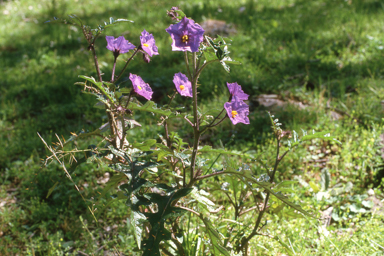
237 111
146 57
186 35
173 14
183 85
140 87
118 45
236 91
148 43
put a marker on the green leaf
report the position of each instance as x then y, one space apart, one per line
267 186
157 220
209 55
122 91
278 209
81 135
149 106
144 146
111 23
325 179
100 86
113 182
161 151
288 249
207 148
51 189
73 20
354 208
137 219
215 237
368 204
335 216
181 14
318 135
225 66
200 196
314 187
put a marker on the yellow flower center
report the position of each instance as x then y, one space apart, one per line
182 87
184 38
141 89
234 113
146 45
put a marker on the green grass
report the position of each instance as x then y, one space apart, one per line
322 53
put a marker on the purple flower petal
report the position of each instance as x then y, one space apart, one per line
186 35
118 45
236 91
148 43
237 111
183 85
140 87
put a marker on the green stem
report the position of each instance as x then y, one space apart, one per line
210 175
113 70
109 114
126 64
172 97
196 131
92 48
187 64
205 65
259 218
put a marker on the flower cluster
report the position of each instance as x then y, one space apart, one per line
147 44
186 36
237 109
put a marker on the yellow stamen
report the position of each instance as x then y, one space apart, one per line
234 113
146 45
141 89
182 87
184 38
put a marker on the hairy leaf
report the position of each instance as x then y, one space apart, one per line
149 106
215 237
267 186
165 210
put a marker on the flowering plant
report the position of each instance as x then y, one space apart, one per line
163 179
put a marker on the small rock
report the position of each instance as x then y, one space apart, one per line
218 27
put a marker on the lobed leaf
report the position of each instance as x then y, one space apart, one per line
215 237
149 106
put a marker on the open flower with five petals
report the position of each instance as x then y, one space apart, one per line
148 43
183 85
186 35
140 87
118 45
237 111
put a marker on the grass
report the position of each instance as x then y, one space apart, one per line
326 54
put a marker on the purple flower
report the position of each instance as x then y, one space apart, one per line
118 45
183 86
237 111
140 87
148 43
186 35
236 91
